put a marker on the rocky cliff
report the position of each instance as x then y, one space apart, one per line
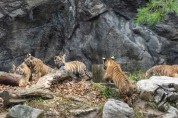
85 30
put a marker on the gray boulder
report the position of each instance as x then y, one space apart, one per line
22 111
161 89
117 109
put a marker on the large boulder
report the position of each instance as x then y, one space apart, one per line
162 90
117 109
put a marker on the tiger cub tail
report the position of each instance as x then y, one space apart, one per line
89 75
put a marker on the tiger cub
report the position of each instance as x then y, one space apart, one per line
37 67
23 70
73 67
113 72
163 70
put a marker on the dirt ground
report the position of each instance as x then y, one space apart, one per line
68 96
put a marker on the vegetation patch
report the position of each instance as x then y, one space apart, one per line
156 11
106 91
137 113
136 75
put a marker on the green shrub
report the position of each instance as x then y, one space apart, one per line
156 11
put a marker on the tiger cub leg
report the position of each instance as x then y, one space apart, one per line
27 80
127 100
85 75
36 76
175 75
72 74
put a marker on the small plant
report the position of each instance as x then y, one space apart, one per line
98 86
137 113
106 91
152 105
37 99
136 75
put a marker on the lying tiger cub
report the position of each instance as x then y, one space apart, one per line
74 67
163 70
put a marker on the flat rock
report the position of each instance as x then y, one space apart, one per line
22 111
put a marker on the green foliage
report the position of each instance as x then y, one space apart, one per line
156 11
106 91
152 105
136 75
137 113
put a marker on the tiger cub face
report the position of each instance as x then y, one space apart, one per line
29 60
23 70
19 70
59 61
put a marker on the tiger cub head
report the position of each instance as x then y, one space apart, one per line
107 62
13 68
59 61
17 69
21 69
29 60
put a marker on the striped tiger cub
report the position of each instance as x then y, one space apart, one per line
23 70
163 70
113 72
74 67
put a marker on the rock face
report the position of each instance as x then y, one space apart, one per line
117 109
86 30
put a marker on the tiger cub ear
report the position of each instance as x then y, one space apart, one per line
112 57
14 67
28 55
64 56
31 58
55 57
103 58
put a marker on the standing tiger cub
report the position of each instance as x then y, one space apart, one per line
163 70
73 67
38 68
113 72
